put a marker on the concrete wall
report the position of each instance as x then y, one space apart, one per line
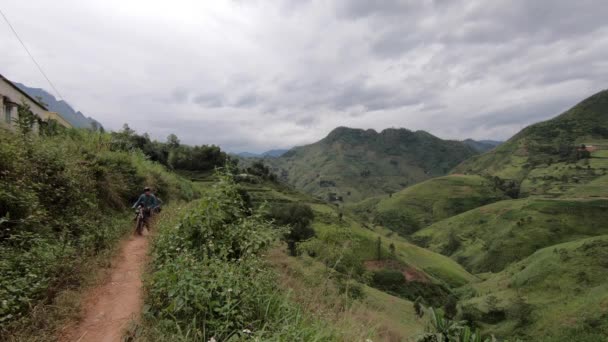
60 120
11 96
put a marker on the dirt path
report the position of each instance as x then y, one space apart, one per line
111 306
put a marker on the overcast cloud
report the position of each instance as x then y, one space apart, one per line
254 75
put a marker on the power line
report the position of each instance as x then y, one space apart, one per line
31 56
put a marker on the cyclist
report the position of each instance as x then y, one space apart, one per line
149 202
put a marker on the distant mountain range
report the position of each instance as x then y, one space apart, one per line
482 145
271 153
76 118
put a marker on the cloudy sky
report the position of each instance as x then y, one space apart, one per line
252 75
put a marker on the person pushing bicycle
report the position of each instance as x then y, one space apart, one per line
149 202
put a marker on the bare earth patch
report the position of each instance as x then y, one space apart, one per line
410 273
110 307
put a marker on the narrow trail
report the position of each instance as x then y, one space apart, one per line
111 306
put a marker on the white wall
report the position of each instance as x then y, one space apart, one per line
15 96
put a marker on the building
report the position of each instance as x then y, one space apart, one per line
11 97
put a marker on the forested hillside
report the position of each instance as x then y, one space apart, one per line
352 164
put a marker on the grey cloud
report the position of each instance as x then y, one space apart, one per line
209 100
524 113
365 8
179 95
257 75
247 101
395 43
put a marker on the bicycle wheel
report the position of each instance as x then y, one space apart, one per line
139 227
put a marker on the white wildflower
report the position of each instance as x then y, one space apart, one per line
247 331
229 290
212 340
368 340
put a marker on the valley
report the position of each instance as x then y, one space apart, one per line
523 223
380 236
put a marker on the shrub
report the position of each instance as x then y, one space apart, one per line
208 280
298 218
397 222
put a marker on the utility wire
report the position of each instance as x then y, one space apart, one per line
31 56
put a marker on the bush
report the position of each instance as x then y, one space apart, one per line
394 282
298 218
208 280
61 201
397 222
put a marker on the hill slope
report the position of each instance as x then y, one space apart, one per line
353 164
77 119
491 237
546 155
425 203
565 286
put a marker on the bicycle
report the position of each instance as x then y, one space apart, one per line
140 220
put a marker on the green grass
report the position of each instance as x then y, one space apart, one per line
439 268
377 316
491 237
429 201
566 285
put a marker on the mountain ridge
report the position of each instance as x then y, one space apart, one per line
351 164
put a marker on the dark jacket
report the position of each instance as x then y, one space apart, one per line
148 201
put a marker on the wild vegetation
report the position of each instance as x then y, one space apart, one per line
62 200
171 153
208 280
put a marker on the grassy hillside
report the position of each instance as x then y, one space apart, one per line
359 239
353 164
491 237
433 200
559 293
547 156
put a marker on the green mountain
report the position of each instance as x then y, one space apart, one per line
352 164
548 158
482 145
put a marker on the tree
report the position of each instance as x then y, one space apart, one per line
392 250
379 249
492 302
25 119
298 217
173 141
521 311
